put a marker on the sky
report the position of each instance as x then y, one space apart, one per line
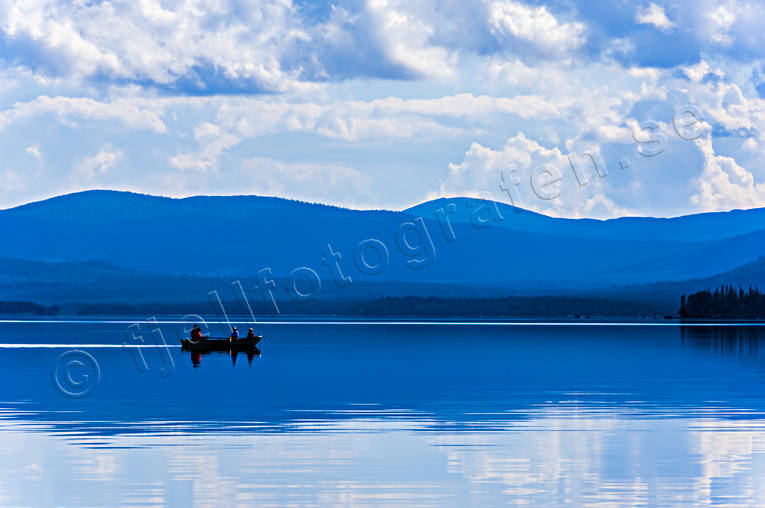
596 108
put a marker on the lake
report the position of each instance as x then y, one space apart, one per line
374 413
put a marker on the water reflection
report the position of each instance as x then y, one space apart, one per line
250 353
744 341
397 416
542 461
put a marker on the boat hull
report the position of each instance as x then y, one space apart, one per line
220 344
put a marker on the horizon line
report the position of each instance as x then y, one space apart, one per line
341 207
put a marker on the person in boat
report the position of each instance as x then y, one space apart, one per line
234 334
196 333
250 335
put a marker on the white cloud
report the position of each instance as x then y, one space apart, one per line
308 181
514 21
380 119
467 105
601 207
97 165
654 15
518 166
270 46
405 38
34 151
723 102
717 22
482 167
427 83
650 73
207 158
724 184
86 108
146 41
326 182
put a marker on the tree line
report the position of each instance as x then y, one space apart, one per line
408 306
725 302
505 307
27 308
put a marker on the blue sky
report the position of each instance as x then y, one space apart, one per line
386 103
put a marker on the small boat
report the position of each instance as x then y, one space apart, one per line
220 344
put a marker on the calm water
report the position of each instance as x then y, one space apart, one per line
371 414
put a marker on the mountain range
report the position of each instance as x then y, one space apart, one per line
109 243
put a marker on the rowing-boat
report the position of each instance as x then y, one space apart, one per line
220 344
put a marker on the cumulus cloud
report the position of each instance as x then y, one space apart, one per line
224 96
717 21
194 46
724 184
654 15
214 144
482 168
405 38
527 174
92 167
270 46
221 47
266 46
729 108
515 22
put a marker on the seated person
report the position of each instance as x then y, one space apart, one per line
196 333
250 334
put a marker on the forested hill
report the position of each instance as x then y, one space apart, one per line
484 244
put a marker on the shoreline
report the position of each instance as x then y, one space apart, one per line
378 320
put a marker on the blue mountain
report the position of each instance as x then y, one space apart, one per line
482 243
698 227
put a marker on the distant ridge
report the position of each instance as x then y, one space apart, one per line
462 204
668 292
708 225
112 197
481 245
80 286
